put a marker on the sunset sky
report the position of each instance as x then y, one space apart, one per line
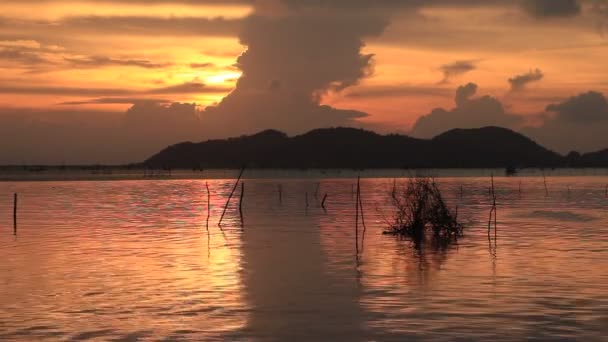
115 81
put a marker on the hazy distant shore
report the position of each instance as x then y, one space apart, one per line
99 173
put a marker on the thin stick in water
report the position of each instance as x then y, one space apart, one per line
545 183
280 193
15 214
230 196
241 202
208 204
357 218
306 199
323 202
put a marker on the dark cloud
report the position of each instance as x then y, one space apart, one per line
578 123
470 112
553 8
590 107
519 82
455 69
103 61
92 137
464 93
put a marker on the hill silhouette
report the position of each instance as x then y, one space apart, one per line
489 147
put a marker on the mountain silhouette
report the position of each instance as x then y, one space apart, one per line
488 147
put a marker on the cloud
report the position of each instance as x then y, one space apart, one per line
117 100
145 25
201 65
553 8
469 112
102 61
91 137
288 67
519 82
464 93
184 88
590 107
455 69
578 123
397 90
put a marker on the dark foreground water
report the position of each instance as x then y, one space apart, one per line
135 260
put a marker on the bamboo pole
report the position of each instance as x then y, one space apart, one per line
231 194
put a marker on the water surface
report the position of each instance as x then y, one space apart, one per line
135 260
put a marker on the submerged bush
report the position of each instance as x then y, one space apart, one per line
421 211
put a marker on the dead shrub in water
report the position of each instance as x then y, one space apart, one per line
421 211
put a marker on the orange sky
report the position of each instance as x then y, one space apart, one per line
103 56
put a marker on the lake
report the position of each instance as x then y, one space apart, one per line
129 260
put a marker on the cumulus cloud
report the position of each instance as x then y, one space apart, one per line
519 82
470 112
590 107
578 123
294 56
455 69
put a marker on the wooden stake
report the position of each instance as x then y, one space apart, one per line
15 214
208 204
357 218
231 194
493 210
280 193
306 199
323 202
241 201
546 188
241 198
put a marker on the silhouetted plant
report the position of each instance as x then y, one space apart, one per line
421 211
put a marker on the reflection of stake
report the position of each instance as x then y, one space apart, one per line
231 194
520 189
